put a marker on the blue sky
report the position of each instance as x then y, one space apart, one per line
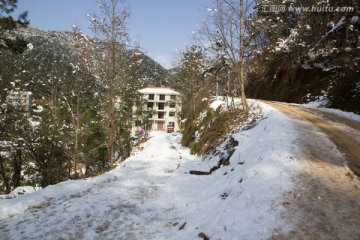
160 26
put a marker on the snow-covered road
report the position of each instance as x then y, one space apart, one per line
113 206
153 196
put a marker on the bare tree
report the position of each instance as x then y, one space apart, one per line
226 35
110 26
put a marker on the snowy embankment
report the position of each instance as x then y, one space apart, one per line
319 104
152 195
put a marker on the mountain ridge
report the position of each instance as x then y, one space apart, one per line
46 47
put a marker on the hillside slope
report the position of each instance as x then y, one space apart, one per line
52 53
309 55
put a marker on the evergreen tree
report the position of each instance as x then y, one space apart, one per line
16 139
190 79
8 23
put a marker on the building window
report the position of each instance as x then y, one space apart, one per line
171 124
162 97
150 105
171 114
172 105
160 115
151 96
161 106
173 97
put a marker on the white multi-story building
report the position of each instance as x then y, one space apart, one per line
165 105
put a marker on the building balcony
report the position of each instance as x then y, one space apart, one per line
157 119
159 115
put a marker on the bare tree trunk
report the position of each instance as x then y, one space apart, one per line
111 123
228 91
242 89
54 114
111 131
232 101
111 26
77 132
6 180
241 54
217 89
17 165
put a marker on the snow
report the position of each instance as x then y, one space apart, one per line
348 115
355 19
152 195
30 46
321 65
20 191
217 103
335 27
323 101
158 90
284 44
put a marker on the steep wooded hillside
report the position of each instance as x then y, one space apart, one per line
308 55
53 51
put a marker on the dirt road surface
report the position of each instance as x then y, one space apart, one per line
326 201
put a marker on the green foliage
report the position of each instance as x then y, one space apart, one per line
8 23
17 45
195 147
49 149
214 126
189 79
289 84
16 135
188 132
213 131
345 93
95 150
146 70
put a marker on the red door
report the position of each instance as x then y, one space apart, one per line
160 126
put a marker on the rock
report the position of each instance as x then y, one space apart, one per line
203 236
182 226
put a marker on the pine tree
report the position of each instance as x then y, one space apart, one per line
190 78
16 135
8 23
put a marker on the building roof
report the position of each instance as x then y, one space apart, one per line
158 90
